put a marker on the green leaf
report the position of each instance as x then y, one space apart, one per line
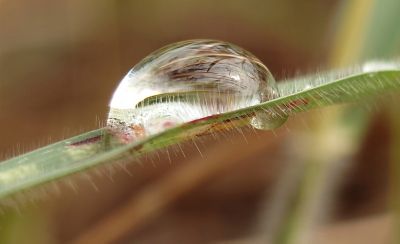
92 148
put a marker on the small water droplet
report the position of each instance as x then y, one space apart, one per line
186 81
377 65
268 121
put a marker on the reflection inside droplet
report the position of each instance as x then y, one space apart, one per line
186 81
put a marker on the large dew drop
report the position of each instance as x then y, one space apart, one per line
186 81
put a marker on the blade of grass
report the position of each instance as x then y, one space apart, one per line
66 157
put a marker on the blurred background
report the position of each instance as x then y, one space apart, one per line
61 60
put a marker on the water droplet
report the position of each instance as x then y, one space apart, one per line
186 81
376 65
268 121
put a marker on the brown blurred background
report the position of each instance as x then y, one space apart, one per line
61 60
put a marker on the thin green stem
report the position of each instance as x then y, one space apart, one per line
72 156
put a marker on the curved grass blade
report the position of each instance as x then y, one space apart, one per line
90 149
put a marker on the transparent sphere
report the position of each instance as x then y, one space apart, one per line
186 81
